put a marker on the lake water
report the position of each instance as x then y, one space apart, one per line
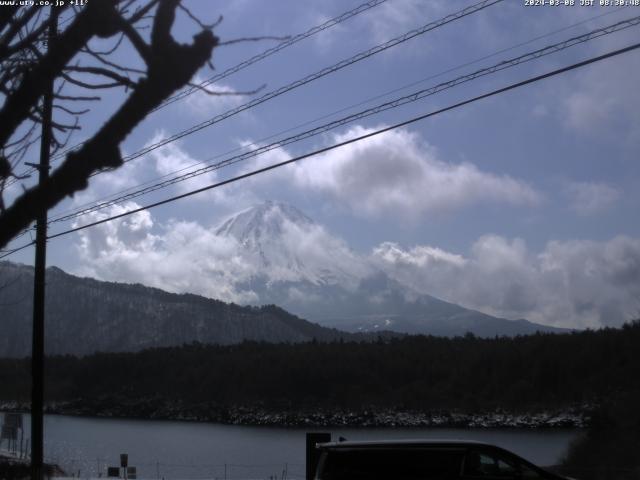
172 450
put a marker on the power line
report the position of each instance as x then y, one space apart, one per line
420 94
256 58
14 250
116 196
325 149
314 76
270 51
356 139
303 81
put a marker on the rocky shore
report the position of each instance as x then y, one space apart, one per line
158 409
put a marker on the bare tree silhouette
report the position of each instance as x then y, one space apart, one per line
28 65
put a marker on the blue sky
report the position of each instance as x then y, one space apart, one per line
532 191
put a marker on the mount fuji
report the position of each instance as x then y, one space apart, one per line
301 267
299 280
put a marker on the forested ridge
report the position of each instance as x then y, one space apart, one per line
414 373
85 316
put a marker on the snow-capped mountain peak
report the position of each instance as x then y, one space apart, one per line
259 223
289 246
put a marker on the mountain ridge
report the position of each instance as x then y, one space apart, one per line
86 315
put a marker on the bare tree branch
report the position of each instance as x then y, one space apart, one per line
77 98
142 12
71 112
6 16
103 72
14 28
104 61
137 41
90 86
170 66
93 20
8 50
197 20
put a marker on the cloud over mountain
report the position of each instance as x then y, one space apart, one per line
272 253
271 240
572 283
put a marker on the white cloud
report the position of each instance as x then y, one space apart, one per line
164 163
397 173
177 256
421 256
572 283
590 198
168 161
172 159
122 235
111 183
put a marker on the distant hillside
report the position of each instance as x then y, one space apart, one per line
86 316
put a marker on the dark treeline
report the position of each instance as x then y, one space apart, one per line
466 373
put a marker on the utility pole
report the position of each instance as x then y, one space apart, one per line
37 349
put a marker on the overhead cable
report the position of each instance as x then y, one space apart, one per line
353 140
244 64
255 143
498 91
270 51
420 94
314 76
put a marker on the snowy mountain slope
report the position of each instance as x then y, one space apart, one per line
284 245
301 267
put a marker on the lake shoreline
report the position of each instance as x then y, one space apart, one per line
154 409
195 449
